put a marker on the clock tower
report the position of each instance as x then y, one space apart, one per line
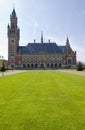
13 39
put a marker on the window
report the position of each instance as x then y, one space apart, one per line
12 66
59 64
48 65
32 65
56 65
69 61
36 65
51 65
28 65
24 66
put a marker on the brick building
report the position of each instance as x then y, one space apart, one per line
36 55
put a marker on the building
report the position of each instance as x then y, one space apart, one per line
36 55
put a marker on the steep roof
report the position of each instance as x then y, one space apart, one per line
63 48
41 47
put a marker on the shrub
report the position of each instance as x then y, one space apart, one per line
3 69
79 66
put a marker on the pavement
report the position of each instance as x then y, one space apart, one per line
11 72
82 73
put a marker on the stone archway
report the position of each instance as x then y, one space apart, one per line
42 65
51 65
48 65
55 65
59 64
32 65
36 65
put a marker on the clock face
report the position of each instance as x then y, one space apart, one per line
12 41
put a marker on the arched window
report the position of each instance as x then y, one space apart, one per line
48 65
32 65
35 65
51 65
42 65
55 65
24 66
28 65
12 66
59 64
69 61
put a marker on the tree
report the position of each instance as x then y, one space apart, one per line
3 68
79 66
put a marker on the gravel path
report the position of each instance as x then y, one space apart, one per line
74 72
20 71
12 72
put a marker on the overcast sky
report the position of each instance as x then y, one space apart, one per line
56 18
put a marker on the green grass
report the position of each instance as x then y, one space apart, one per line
42 100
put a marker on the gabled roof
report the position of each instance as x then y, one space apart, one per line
41 47
63 48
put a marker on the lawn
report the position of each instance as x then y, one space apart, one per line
42 100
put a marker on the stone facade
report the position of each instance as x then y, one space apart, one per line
36 55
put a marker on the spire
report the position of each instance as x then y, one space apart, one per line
41 37
14 12
67 42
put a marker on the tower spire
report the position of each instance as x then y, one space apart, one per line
14 12
41 36
67 41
